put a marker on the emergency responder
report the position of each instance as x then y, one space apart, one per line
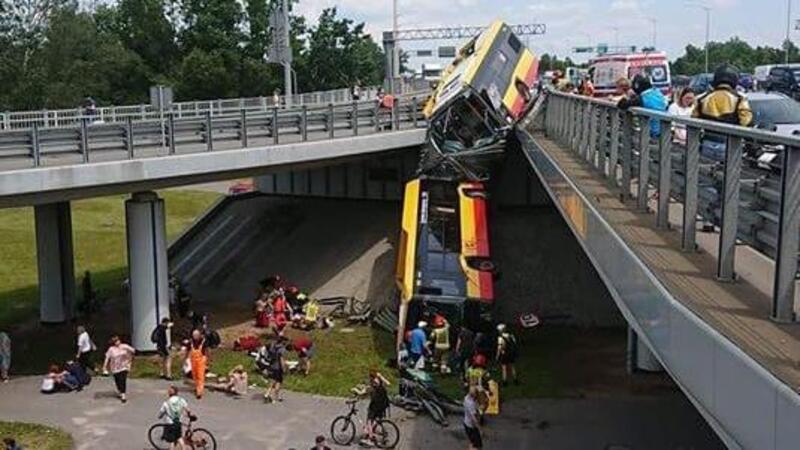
723 103
441 343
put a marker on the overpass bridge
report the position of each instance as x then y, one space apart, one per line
716 310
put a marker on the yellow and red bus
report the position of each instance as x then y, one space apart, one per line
482 94
443 255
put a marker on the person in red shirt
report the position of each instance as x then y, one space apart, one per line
280 313
305 349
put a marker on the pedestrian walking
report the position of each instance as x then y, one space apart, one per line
472 425
507 350
86 348
162 337
5 356
119 358
277 369
441 343
198 355
276 98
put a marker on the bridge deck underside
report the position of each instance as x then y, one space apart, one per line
738 311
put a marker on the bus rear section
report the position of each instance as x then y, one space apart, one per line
607 69
443 260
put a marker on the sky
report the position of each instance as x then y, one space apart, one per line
573 23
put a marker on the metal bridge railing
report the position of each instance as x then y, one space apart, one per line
120 114
205 133
756 206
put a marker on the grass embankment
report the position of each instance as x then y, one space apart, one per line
99 244
36 437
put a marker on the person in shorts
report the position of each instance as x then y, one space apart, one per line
277 369
378 404
472 425
172 410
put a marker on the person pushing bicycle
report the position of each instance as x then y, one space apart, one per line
172 410
378 403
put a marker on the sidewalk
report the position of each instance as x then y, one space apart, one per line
97 420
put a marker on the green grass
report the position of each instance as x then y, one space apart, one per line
99 244
36 437
342 359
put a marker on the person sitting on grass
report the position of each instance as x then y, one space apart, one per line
11 444
237 381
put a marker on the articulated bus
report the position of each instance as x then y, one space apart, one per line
443 255
482 94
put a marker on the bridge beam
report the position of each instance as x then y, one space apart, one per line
147 265
55 262
640 357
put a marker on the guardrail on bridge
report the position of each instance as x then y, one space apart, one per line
206 133
756 206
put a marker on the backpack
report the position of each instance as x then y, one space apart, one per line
154 335
511 345
212 339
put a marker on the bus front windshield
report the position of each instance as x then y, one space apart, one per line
468 123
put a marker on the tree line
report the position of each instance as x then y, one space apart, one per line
55 53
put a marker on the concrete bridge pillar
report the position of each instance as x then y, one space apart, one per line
55 262
640 357
147 266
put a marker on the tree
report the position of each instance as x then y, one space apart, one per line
734 51
339 53
144 27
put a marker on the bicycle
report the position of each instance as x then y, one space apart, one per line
198 438
343 429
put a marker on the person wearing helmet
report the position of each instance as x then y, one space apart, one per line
507 353
648 97
723 103
418 346
476 374
441 343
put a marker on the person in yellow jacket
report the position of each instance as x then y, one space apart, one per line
724 103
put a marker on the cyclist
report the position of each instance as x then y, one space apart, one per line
172 410
378 403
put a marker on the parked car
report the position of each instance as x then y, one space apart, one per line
701 82
784 79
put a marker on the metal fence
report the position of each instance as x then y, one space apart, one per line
117 114
756 206
208 132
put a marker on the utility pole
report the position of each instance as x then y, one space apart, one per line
395 51
287 62
787 43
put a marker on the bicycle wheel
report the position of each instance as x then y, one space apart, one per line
156 436
387 435
343 430
202 439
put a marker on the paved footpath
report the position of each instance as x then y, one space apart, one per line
97 420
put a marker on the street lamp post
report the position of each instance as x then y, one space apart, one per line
654 22
707 9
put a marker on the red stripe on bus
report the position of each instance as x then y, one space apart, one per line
486 285
481 228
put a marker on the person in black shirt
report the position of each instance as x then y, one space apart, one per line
378 402
162 337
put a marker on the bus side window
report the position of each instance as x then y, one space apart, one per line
514 42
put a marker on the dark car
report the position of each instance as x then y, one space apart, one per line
784 79
701 82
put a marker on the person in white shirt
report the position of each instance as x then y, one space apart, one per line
85 348
683 107
172 410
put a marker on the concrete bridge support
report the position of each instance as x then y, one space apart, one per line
147 266
640 357
55 262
